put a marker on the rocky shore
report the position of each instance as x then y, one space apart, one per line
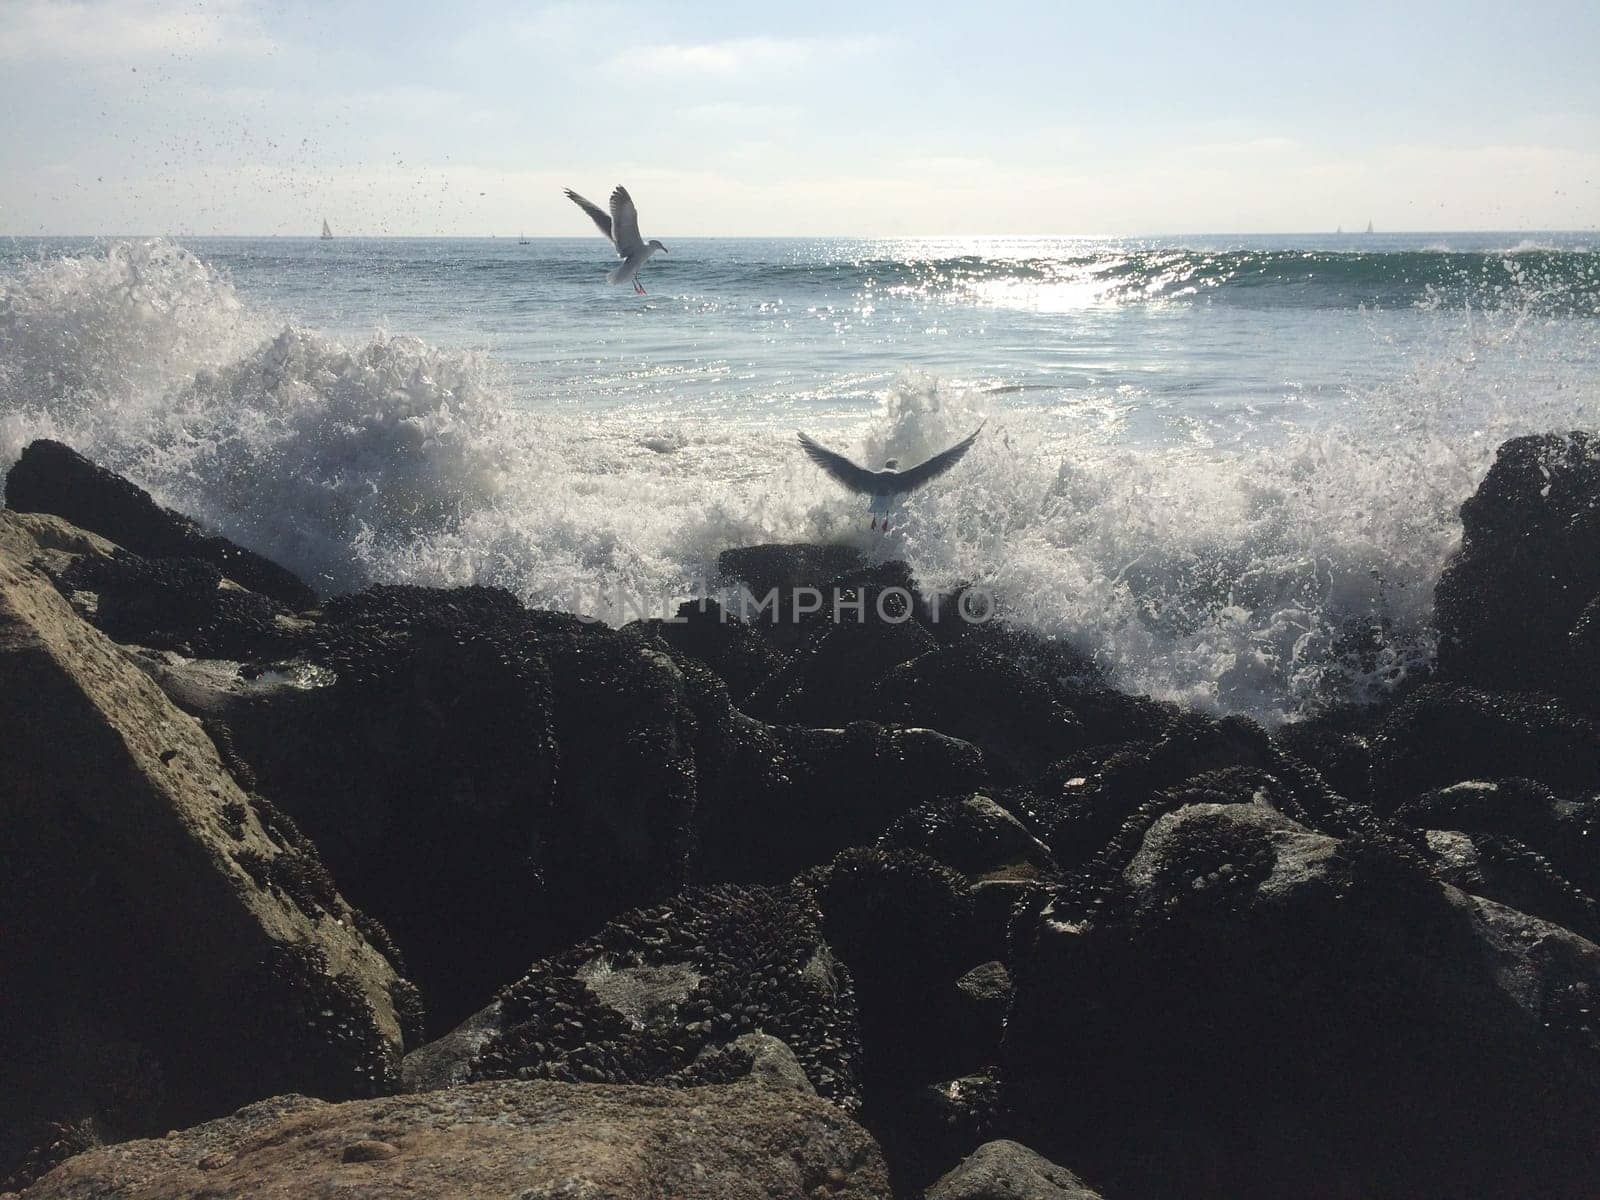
417 891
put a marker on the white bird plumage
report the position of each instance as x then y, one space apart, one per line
621 228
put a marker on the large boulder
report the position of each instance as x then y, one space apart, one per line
507 1141
1521 811
1509 603
172 949
52 478
1005 1170
740 654
1443 734
1082 802
492 783
666 995
905 927
777 799
1244 1007
1511 873
777 570
543 773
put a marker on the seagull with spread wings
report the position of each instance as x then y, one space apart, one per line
621 227
888 485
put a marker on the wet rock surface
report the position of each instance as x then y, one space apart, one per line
666 994
52 478
1139 1038
517 1141
172 947
1510 605
934 876
1005 1170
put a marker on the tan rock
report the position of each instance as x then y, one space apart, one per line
172 951
520 1141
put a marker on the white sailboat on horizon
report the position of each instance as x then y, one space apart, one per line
327 234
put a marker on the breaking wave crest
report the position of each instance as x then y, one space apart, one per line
1267 578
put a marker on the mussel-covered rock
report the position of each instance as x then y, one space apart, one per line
493 783
1510 601
181 604
739 653
1444 734
905 927
1244 1007
652 993
1519 810
777 799
975 836
52 478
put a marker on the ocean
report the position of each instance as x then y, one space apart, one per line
1228 468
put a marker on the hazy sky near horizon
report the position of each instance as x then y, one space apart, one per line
410 117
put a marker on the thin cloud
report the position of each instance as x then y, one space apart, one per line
734 113
99 31
738 56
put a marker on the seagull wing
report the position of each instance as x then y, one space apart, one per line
915 477
625 223
596 214
857 479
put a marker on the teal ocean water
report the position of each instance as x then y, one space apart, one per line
1229 467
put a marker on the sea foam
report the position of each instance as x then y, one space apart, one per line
1269 575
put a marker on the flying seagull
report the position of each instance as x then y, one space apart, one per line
621 227
887 485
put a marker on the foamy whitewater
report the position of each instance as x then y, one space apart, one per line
1228 468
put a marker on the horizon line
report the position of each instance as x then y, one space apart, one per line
1353 234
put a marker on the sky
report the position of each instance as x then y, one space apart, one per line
856 119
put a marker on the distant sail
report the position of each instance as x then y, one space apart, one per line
327 234
1339 230
1369 226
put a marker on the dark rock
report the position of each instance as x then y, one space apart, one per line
904 926
1583 663
1528 566
180 604
776 799
741 655
643 1000
531 1141
975 836
51 478
776 571
1564 831
1506 871
1080 804
980 1001
999 905
1249 1008
1010 1171
535 770
1444 734
418 750
926 1130
172 948
1338 745
831 677
973 692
